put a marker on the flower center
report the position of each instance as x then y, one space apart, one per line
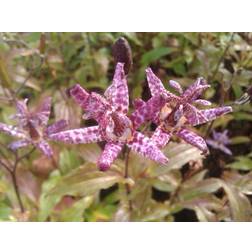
116 127
172 116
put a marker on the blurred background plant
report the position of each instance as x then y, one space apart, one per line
70 187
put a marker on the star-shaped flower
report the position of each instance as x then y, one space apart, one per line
114 127
32 126
174 113
219 141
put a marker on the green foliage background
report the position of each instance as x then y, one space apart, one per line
71 188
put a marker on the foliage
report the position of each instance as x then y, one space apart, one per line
70 187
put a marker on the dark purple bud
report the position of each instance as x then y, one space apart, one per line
122 53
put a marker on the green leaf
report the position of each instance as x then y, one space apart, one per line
240 206
86 180
240 116
76 212
179 154
206 186
243 163
68 160
48 201
240 140
5 212
154 55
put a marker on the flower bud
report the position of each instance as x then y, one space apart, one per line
122 53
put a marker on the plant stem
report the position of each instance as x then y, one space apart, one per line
223 93
12 171
16 188
126 175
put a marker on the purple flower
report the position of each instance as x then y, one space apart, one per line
219 141
114 126
32 126
174 113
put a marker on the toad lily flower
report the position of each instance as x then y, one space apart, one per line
114 127
173 114
219 141
32 127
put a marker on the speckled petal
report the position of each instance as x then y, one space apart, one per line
160 138
93 104
11 130
43 111
80 95
117 94
202 102
56 127
21 107
193 139
176 86
19 144
157 87
78 136
146 111
195 90
109 154
44 147
193 115
144 146
212 114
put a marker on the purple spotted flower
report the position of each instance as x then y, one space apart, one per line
32 127
219 141
174 113
114 127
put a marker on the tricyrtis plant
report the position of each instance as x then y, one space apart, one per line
145 162
32 127
115 128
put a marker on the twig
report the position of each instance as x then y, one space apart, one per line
12 169
223 93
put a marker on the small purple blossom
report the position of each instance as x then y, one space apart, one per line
219 141
114 127
174 114
32 126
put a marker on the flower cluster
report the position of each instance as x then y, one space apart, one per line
32 128
173 115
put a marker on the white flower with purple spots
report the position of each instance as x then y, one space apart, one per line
173 114
32 127
114 127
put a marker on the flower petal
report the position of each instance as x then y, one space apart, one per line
212 114
44 147
11 130
21 107
19 144
157 87
117 93
176 86
78 136
202 102
146 111
56 127
44 110
144 146
193 115
216 145
193 139
79 94
94 104
195 90
109 154
160 138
